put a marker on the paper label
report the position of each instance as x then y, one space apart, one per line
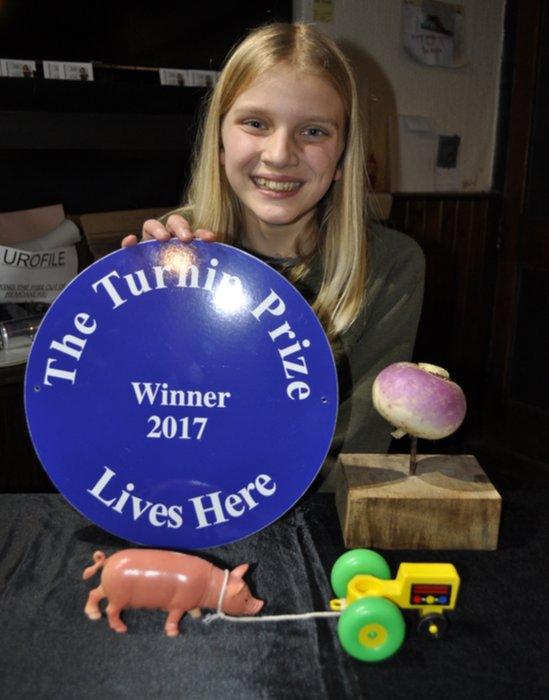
174 76
66 70
40 275
14 68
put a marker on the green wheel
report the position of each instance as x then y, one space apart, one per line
371 629
354 562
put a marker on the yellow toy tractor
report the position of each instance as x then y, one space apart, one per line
371 626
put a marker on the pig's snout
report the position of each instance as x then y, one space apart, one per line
254 606
251 606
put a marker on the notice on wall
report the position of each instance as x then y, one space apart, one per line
17 68
434 32
188 78
174 76
203 78
67 70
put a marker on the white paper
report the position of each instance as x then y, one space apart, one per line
66 234
418 124
17 68
53 70
174 76
67 70
413 142
433 32
27 276
203 78
188 78
36 269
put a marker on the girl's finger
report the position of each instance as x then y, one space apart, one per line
204 235
128 241
154 230
179 227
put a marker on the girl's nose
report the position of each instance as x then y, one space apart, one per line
280 150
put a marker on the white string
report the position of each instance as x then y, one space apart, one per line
220 615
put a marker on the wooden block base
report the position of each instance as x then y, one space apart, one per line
448 504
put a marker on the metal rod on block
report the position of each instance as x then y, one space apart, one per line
413 455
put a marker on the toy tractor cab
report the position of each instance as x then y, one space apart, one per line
371 626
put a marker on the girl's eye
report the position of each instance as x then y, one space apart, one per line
254 123
314 132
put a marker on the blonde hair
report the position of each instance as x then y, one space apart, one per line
212 205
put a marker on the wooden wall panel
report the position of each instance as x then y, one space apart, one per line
458 234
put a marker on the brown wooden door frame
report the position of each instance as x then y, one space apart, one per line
516 171
514 426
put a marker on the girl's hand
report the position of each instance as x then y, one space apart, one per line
176 227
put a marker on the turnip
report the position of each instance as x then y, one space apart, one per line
419 399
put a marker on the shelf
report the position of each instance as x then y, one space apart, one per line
139 97
95 131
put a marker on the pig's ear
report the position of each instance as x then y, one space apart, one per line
240 570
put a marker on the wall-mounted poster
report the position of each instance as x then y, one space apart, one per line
434 32
15 68
67 70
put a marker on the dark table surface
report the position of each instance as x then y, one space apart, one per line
496 645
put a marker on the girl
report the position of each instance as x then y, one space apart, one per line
280 173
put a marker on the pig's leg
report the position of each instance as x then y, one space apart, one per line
92 606
113 613
196 613
172 622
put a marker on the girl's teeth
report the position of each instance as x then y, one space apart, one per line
276 186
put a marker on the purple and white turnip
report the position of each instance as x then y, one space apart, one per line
419 399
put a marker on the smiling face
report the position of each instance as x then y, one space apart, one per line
282 140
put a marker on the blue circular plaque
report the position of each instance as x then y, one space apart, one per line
181 395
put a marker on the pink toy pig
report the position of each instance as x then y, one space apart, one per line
177 583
